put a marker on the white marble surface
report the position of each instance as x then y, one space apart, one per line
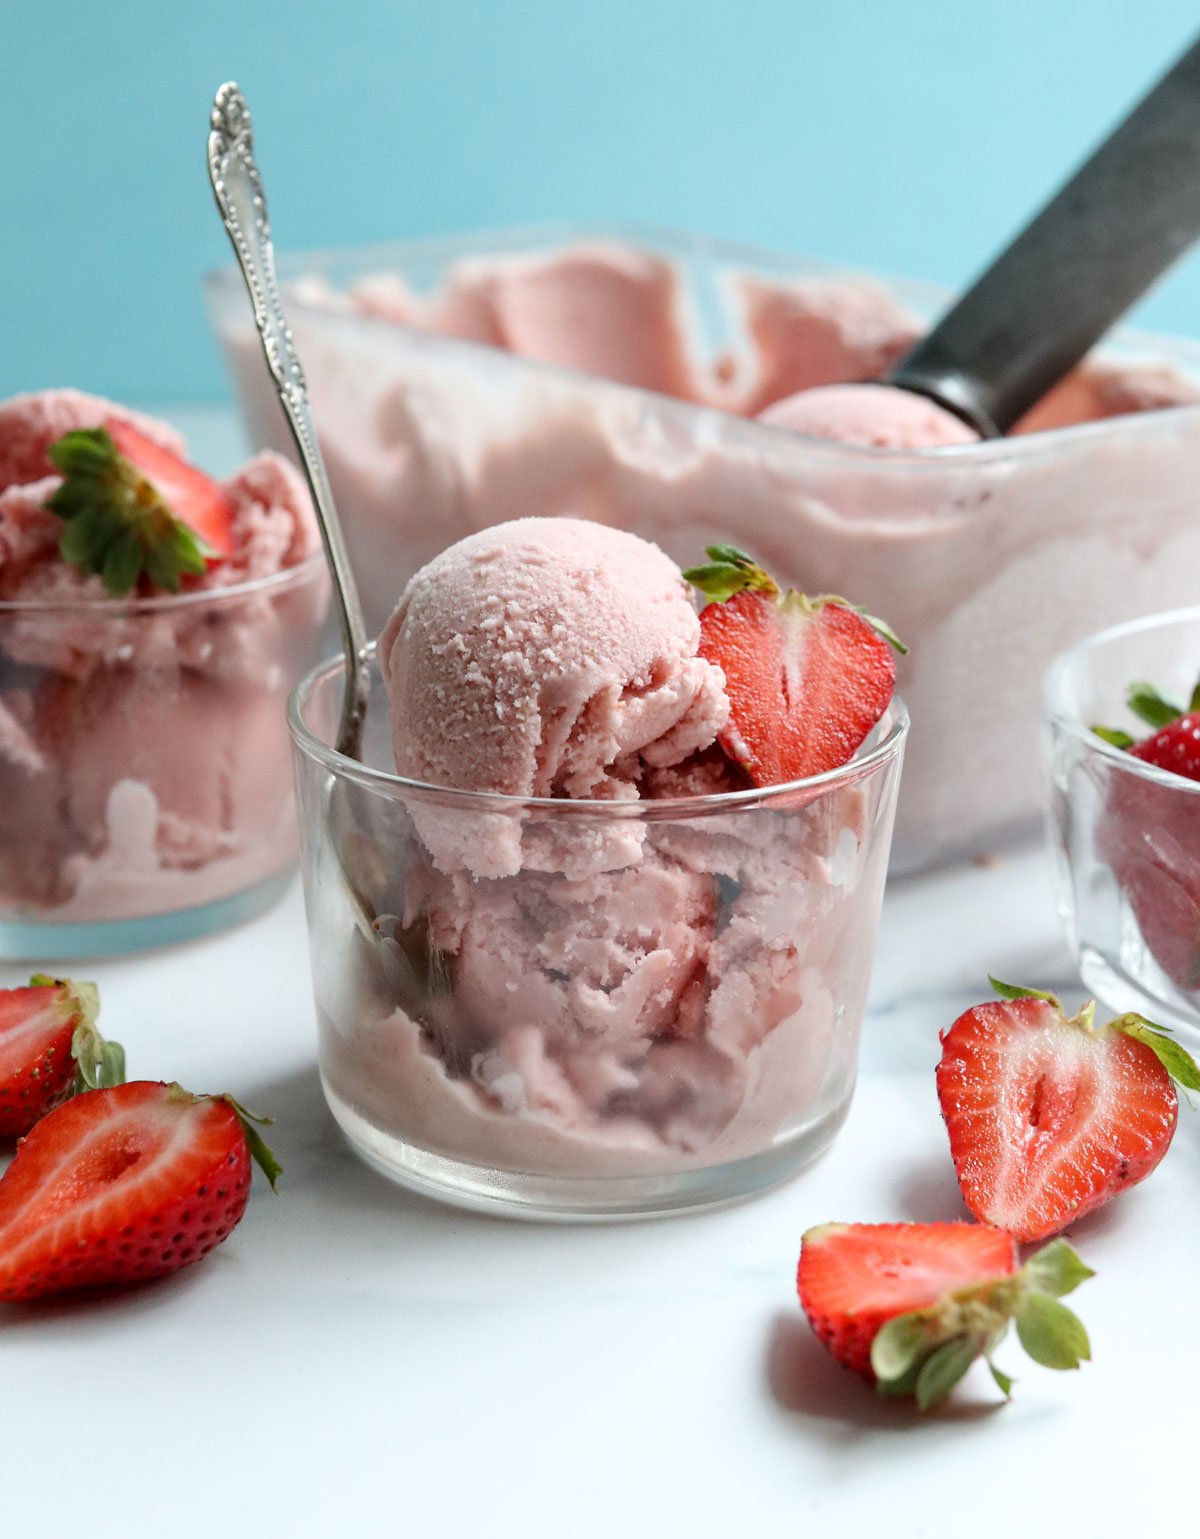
357 1361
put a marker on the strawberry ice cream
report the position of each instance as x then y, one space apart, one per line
873 416
143 762
569 944
1027 539
544 658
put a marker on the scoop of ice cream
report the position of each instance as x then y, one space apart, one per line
873 416
29 424
548 657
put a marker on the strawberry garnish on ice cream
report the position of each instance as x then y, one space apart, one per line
1151 831
807 679
912 1306
50 1049
124 1185
133 509
1049 1115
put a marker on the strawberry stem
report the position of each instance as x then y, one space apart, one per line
99 1064
729 571
928 1351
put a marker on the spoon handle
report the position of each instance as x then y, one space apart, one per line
238 189
1094 250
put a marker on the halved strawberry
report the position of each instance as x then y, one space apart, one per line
1150 835
124 1185
807 679
49 1049
133 507
1050 1116
912 1306
193 497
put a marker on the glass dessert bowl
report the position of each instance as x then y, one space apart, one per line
152 623
619 375
1126 833
145 792
657 1009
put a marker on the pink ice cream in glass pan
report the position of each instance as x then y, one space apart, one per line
682 388
152 623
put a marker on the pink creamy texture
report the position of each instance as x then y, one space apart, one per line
143 765
590 994
874 416
545 657
426 445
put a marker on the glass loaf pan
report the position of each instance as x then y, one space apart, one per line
988 559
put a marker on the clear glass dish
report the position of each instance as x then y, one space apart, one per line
660 1010
145 786
988 559
1125 835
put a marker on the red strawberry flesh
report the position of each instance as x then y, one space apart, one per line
118 1186
192 496
806 681
37 1071
854 1278
1048 1120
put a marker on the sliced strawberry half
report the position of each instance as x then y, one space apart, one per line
912 1306
193 497
134 509
1050 1116
123 1185
807 679
50 1048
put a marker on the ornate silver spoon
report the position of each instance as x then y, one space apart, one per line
238 189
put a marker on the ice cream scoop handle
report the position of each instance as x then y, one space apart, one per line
238 189
1095 248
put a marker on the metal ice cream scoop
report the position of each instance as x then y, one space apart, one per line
238 189
1096 247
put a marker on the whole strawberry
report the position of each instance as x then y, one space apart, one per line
1050 1116
807 679
50 1048
912 1306
1150 835
124 1185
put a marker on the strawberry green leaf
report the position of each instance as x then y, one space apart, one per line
899 1347
1155 709
118 526
1016 991
728 571
1051 1333
1114 736
1056 1270
1003 1382
884 629
1175 1059
944 1368
1194 702
263 1156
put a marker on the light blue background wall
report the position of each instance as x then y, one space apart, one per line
912 135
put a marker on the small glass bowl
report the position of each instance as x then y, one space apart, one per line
647 1006
145 792
1126 835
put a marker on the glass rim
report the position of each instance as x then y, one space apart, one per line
509 239
158 603
1068 722
305 740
